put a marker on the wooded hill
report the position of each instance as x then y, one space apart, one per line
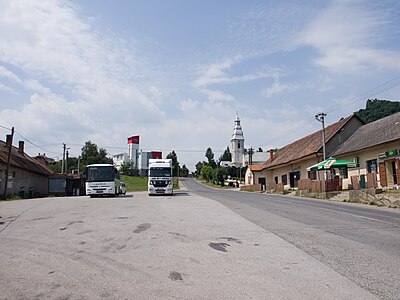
378 109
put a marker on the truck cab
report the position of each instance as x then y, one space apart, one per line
160 177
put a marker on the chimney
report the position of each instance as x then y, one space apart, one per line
8 140
21 147
271 154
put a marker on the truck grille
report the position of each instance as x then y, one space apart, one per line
160 183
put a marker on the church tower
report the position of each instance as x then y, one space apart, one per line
237 144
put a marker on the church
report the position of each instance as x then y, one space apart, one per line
237 145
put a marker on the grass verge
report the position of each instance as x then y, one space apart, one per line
135 183
139 184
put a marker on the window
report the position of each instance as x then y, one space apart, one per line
284 179
312 175
343 173
238 145
276 179
372 166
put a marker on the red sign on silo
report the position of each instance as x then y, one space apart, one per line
133 140
156 154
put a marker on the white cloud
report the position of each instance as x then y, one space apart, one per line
347 36
7 89
5 73
218 73
277 88
77 79
189 105
215 73
217 95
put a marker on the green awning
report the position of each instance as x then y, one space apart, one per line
332 163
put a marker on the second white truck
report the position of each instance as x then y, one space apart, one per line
160 177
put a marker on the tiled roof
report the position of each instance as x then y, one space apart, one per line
305 146
21 161
372 134
256 167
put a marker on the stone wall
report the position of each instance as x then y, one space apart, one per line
369 196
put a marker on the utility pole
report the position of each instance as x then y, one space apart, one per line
321 118
66 161
8 161
63 159
251 152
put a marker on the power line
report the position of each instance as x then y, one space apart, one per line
5 127
355 99
374 91
32 143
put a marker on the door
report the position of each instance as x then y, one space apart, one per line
397 164
395 170
262 181
294 177
382 174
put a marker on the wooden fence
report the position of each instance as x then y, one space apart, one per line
252 188
371 181
278 187
319 186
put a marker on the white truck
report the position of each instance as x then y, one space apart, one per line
160 177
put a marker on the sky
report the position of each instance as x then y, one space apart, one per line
177 72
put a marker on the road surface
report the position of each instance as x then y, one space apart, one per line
361 242
184 246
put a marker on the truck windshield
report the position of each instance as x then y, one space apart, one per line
101 173
160 172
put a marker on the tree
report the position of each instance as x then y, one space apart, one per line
199 166
184 171
219 175
226 156
175 164
92 155
207 173
127 168
210 157
378 109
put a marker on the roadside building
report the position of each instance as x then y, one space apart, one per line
287 165
138 158
143 160
44 160
376 147
67 185
120 159
26 176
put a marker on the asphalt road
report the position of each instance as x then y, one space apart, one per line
358 241
139 247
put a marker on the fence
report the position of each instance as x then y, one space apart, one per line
320 186
358 182
272 186
251 188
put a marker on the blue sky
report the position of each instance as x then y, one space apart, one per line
176 72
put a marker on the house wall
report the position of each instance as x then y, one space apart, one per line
31 184
269 175
342 135
251 177
370 154
300 166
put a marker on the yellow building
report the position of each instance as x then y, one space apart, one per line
289 164
376 147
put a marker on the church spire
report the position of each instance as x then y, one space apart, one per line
237 130
237 143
